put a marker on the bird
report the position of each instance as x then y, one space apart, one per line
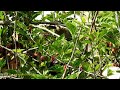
61 29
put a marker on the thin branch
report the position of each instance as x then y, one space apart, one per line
54 15
93 21
6 19
30 49
31 37
71 54
7 49
42 14
74 14
117 20
88 47
36 70
93 25
14 38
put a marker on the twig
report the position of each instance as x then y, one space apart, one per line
117 20
93 21
93 25
71 55
14 38
7 49
30 49
88 47
36 70
31 38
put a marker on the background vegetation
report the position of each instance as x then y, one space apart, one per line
73 45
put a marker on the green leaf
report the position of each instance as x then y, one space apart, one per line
1 15
72 27
21 25
83 19
12 71
22 32
64 15
107 25
97 67
87 41
102 33
0 31
110 72
2 63
76 62
36 30
81 36
73 76
18 50
118 71
43 64
36 14
103 49
37 76
57 68
86 66
109 39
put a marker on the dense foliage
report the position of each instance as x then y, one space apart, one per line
60 45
